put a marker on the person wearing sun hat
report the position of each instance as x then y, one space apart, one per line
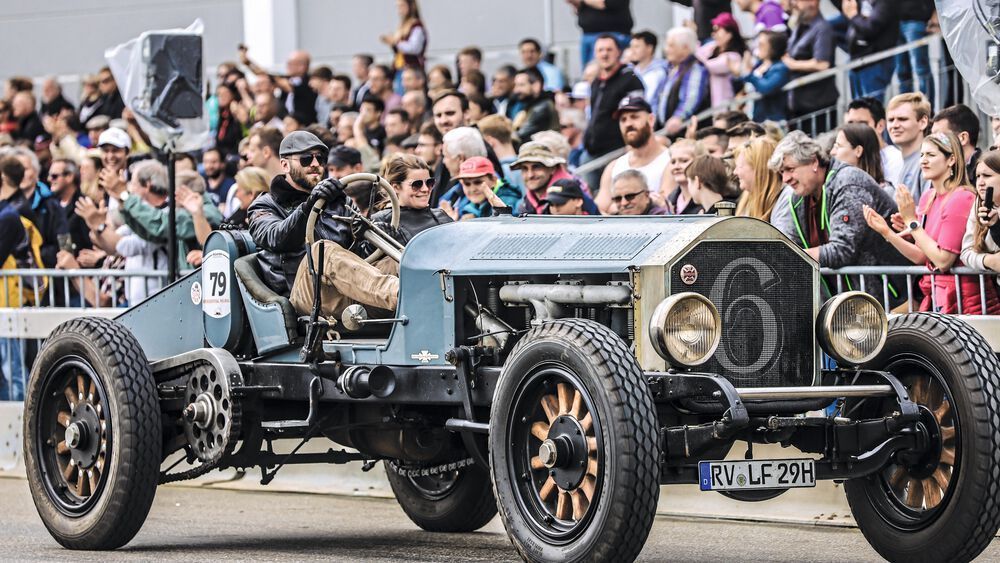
540 168
469 199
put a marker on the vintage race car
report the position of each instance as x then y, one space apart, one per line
558 370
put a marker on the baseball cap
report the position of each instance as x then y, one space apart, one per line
343 155
475 167
534 151
563 190
116 138
727 21
634 101
581 91
298 142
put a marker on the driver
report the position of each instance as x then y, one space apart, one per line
278 227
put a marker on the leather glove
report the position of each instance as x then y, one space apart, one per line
328 190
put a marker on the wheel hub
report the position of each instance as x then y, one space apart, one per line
84 426
566 451
201 412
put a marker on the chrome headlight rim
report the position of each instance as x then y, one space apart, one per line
825 327
657 325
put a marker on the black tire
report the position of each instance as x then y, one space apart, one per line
945 505
101 501
455 501
606 513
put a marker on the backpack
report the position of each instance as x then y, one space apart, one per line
21 291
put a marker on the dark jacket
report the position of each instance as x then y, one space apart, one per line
278 228
78 231
877 32
812 41
110 105
850 241
412 221
616 17
603 135
303 99
30 127
915 10
49 218
56 105
538 115
11 232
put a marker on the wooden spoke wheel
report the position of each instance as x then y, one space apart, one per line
558 449
920 484
92 434
574 454
73 425
939 501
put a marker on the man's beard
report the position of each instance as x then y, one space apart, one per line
215 174
301 177
641 139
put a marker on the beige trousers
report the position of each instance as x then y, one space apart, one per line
347 279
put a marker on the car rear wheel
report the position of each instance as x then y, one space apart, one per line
573 448
941 504
449 501
92 436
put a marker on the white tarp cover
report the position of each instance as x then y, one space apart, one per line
130 70
971 28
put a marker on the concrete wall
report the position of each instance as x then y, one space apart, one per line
68 37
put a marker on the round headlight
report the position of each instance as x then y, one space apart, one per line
852 327
685 329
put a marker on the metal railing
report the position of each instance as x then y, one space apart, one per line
911 273
839 72
39 287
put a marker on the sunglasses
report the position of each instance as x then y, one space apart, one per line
60 175
629 198
307 159
420 184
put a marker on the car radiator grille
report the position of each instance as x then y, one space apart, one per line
763 291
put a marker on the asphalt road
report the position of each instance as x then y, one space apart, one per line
189 524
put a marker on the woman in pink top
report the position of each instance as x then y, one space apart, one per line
937 226
726 45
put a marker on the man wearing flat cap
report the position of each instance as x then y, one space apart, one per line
278 227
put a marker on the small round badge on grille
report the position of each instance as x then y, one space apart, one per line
689 274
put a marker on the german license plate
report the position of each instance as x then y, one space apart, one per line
756 474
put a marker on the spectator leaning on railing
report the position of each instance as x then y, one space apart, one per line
856 144
828 212
981 243
764 196
936 226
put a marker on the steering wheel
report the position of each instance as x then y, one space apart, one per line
382 184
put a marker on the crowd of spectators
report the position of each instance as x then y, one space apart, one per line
890 183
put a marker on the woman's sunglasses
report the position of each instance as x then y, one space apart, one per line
419 184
